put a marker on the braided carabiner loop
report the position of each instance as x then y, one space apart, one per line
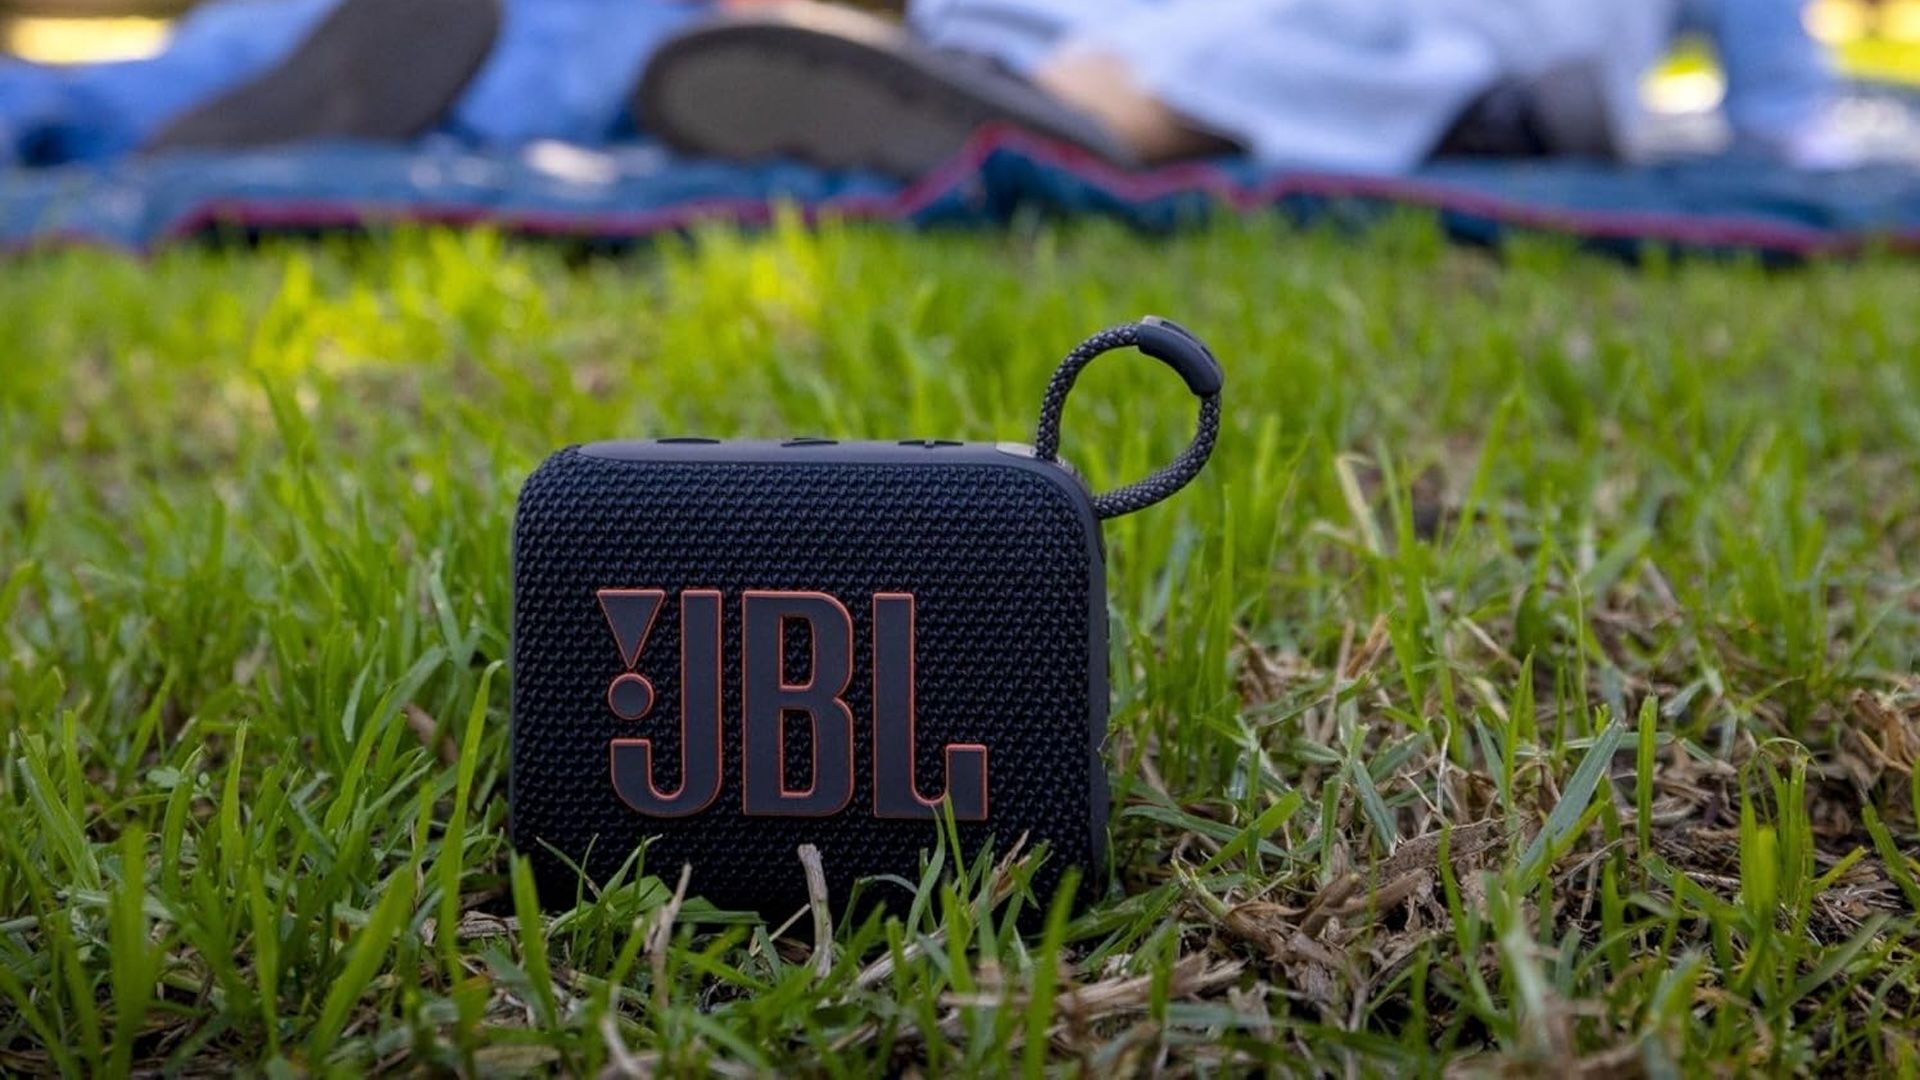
1173 345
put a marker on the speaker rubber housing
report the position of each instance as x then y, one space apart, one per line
1002 555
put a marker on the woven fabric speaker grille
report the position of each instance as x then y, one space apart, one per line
1001 554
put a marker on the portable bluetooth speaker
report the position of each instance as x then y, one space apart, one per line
729 649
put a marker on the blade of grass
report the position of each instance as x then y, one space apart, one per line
1574 798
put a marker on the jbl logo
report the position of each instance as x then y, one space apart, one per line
767 699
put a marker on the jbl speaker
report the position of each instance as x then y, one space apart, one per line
724 650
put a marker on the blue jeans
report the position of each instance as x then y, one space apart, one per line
1779 79
560 69
97 111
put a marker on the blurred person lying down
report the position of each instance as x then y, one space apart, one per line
1354 85
1375 86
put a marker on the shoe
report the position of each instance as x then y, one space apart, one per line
840 89
372 69
1562 112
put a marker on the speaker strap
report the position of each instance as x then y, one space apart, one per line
1173 345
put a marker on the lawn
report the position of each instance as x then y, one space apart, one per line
1530 679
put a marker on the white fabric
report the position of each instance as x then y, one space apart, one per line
1352 85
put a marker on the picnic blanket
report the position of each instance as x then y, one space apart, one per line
629 192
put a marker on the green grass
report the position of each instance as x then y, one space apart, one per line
1530 678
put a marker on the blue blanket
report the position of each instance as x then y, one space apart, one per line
634 191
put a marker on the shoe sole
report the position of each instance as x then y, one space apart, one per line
1574 114
372 69
838 90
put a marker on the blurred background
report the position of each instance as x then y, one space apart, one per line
1676 120
1877 39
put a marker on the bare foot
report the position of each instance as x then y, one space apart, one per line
1101 85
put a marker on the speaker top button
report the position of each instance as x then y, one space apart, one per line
930 444
688 440
810 440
